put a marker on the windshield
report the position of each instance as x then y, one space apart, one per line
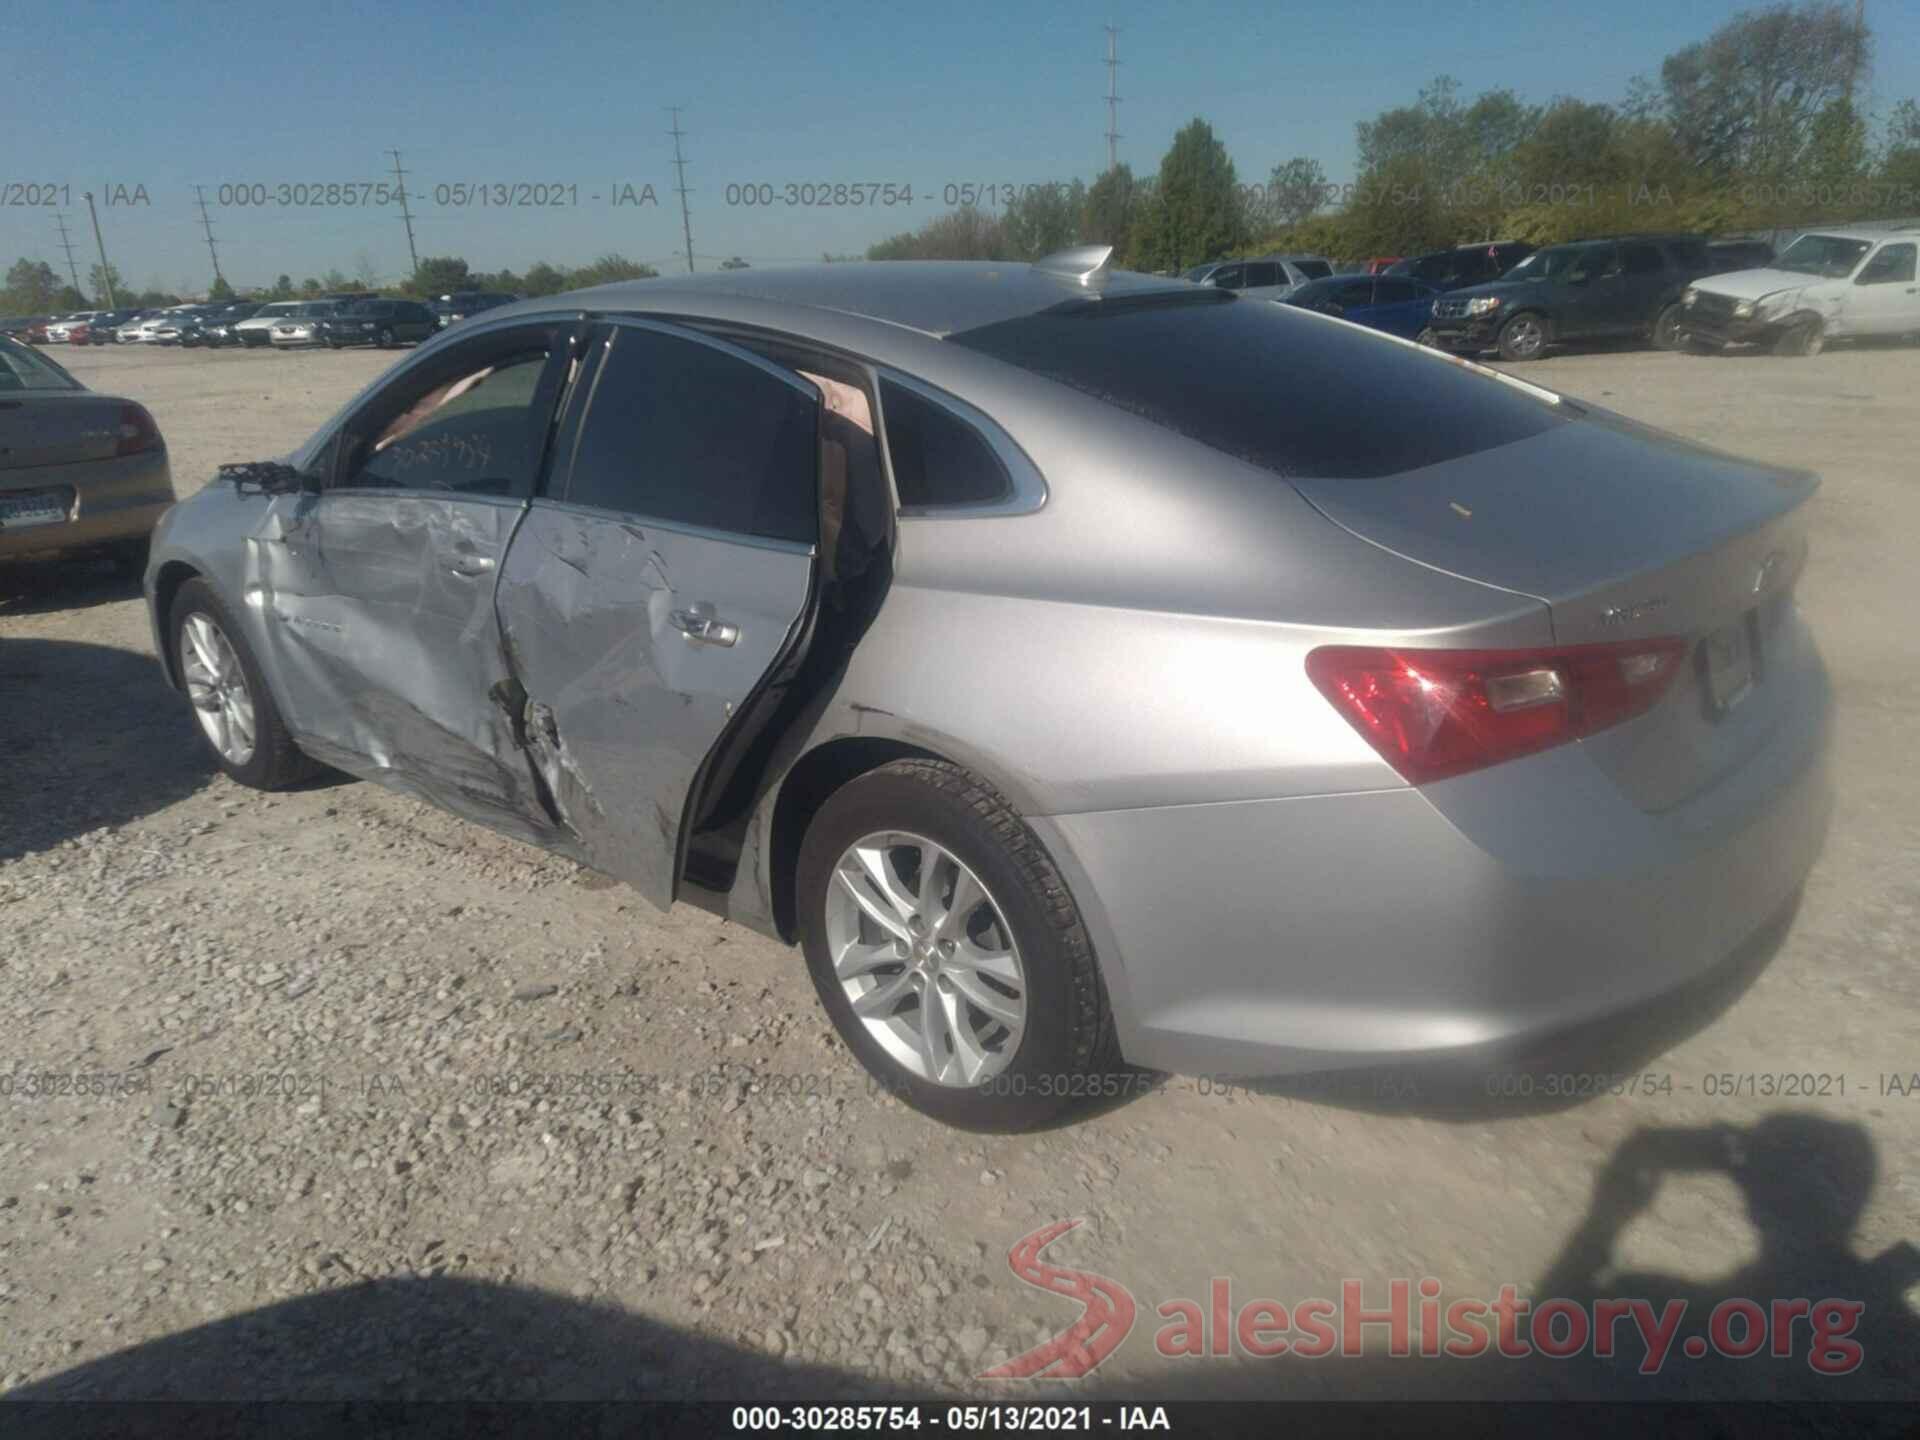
1831 256
1553 264
24 369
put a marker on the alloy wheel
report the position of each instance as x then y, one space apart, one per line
926 958
217 687
1525 336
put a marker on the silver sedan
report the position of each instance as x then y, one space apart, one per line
996 634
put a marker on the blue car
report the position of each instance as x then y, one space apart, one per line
1397 304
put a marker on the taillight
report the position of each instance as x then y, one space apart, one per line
137 431
1436 713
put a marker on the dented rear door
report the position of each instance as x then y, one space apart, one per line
647 595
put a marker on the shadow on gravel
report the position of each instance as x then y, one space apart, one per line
90 735
1610 1058
365 1358
41 589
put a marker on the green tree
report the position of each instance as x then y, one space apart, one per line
220 289
439 275
542 279
1295 192
1107 216
31 287
67 299
607 269
310 286
968 233
283 288
1196 212
105 284
1043 218
1743 101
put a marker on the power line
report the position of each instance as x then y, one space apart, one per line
106 270
405 213
680 168
206 224
1113 96
67 245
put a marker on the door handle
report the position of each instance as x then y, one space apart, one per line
466 562
699 626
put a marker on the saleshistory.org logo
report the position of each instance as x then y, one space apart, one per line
1508 1325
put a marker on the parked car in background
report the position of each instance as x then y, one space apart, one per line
300 327
1397 304
1838 284
104 329
1627 287
181 326
1271 277
60 331
890 707
1725 255
212 325
1464 265
379 322
1379 264
19 327
80 473
462 304
147 331
257 329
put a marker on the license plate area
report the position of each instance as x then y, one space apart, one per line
1729 664
23 508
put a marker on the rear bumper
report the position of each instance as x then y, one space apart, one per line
115 501
1326 932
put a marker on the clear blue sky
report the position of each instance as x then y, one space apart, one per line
167 95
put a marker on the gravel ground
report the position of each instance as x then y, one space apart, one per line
309 1168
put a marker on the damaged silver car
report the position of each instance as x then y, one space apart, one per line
1001 635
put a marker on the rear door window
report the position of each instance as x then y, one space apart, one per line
1264 272
680 430
1393 292
1230 277
939 460
1639 258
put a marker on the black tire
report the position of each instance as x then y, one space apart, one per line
1694 345
130 559
276 761
333 342
386 339
1524 337
1804 336
1068 1054
1666 327
1427 338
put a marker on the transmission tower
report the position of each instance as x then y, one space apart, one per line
680 169
206 224
67 245
400 176
1113 96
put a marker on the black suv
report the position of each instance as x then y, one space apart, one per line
378 322
1626 286
1464 264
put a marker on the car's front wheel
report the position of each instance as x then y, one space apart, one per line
1523 337
948 953
229 695
1666 328
386 339
1806 336
1427 338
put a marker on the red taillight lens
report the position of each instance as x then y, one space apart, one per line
137 431
1436 713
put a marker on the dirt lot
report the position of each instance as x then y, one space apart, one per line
307 1171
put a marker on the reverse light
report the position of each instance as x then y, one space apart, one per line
137 432
1433 714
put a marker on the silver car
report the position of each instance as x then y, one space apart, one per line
1071 715
80 473
1271 277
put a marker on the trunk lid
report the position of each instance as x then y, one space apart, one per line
54 428
1625 533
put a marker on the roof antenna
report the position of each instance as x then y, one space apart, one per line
1085 265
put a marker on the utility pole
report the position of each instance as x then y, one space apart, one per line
1113 96
1859 47
67 245
106 270
400 176
680 168
206 224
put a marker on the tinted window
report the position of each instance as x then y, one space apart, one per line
472 431
1688 254
25 369
1230 277
1313 269
1352 294
1892 265
1638 258
1209 369
1265 272
679 431
938 459
1393 292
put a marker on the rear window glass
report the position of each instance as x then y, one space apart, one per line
1313 269
1210 368
938 459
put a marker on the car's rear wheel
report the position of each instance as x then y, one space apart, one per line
1523 337
1805 336
1666 328
229 695
948 953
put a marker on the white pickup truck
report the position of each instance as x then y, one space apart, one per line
1827 285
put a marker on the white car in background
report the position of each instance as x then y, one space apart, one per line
147 331
301 326
57 332
1838 284
258 330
